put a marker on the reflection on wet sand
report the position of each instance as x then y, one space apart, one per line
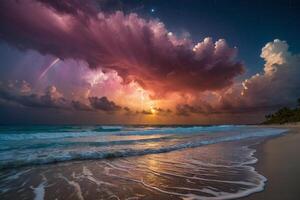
219 171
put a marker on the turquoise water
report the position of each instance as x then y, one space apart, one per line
130 162
47 144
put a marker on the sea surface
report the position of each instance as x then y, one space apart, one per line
130 162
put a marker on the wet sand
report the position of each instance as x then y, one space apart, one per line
217 171
223 170
279 162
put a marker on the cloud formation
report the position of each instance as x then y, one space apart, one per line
135 66
20 93
137 49
278 85
103 104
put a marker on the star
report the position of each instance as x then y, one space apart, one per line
152 10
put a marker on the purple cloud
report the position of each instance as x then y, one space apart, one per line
138 49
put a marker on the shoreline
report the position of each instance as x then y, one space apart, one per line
189 177
279 162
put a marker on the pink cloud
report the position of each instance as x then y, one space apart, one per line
139 50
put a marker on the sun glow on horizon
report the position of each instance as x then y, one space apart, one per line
153 110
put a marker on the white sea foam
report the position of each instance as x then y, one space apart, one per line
211 193
202 178
89 175
39 191
90 132
75 185
57 154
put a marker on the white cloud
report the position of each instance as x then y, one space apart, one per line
279 83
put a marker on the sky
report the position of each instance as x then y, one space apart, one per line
147 62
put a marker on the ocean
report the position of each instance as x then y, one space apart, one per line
130 162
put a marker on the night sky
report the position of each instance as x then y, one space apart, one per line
137 62
247 24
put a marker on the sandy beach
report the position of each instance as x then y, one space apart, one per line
149 100
278 161
202 162
210 163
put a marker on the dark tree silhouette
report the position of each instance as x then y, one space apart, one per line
284 115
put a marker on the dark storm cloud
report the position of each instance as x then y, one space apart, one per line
146 112
207 109
162 111
50 99
140 50
19 93
185 109
155 111
103 104
77 105
74 7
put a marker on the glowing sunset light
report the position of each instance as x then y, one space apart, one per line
153 111
149 99
130 66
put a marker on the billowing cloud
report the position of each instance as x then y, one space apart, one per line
277 86
137 49
103 104
125 64
161 111
20 93
74 7
146 112
77 105
200 108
